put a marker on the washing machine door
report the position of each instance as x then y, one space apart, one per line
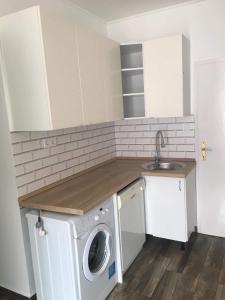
97 252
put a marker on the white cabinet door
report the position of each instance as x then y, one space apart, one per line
25 81
166 208
62 67
166 77
40 71
92 76
100 77
57 74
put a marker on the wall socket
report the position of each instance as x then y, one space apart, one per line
48 143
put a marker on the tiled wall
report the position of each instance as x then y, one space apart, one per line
67 152
137 137
42 158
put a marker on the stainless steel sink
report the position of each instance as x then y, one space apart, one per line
152 166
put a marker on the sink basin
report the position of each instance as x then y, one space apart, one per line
152 166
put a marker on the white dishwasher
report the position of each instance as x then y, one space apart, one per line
130 224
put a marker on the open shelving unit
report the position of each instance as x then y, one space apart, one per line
132 80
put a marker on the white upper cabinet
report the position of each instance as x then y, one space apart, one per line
166 76
100 77
40 70
57 74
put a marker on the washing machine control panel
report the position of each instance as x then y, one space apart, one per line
101 213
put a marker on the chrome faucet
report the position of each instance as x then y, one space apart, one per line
157 145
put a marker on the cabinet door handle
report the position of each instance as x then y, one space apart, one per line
180 185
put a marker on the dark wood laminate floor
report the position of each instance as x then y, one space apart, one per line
163 272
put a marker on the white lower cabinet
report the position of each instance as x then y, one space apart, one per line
170 205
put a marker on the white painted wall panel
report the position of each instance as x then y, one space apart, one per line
15 273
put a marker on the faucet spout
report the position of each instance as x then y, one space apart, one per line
159 141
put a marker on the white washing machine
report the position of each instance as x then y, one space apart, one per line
74 256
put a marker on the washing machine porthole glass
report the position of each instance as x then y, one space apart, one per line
97 253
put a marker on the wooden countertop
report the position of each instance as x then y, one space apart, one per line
80 193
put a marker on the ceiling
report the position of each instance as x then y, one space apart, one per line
109 10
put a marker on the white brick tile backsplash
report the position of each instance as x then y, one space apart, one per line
186 148
17 137
190 133
176 126
22 190
152 120
65 156
176 141
17 148
58 149
76 136
33 186
43 173
176 154
49 161
63 139
41 153
189 126
156 127
71 146
135 134
66 173
59 167
189 141
83 143
73 162
190 155
55 132
19 170
136 147
22 158
52 178
29 146
143 141
69 151
78 152
149 147
32 166
185 119
166 120
24 179
178 132
142 127
36 135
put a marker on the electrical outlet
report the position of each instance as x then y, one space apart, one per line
48 143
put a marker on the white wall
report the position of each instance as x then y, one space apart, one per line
202 22
63 6
15 274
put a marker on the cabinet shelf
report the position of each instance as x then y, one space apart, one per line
133 94
132 80
132 69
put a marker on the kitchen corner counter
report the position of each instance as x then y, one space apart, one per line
80 193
